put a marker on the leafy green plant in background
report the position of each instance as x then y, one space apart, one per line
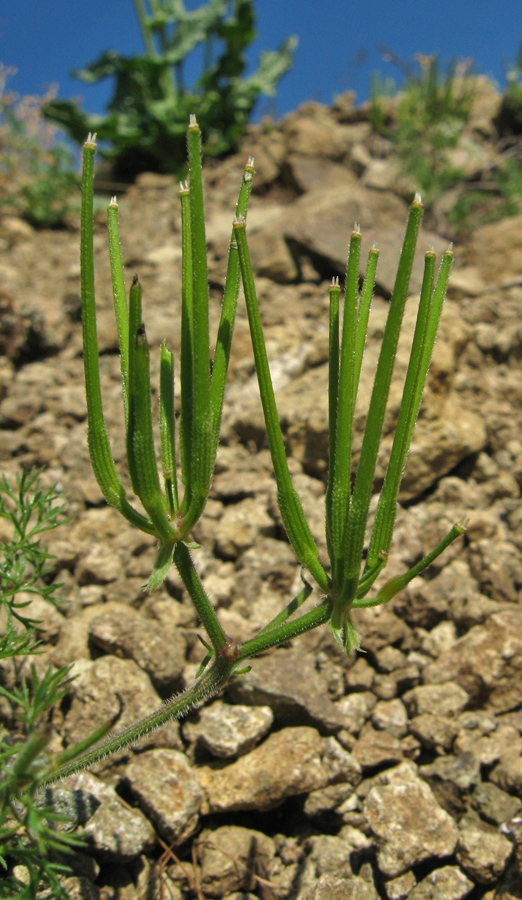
170 515
431 112
509 118
477 206
38 177
498 193
147 116
33 842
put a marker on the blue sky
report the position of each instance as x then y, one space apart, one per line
338 41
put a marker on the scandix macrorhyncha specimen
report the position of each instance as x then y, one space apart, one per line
170 516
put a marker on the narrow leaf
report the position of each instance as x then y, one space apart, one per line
289 504
187 340
387 508
98 439
167 427
162 564
228 313
342 461
120 302
397 584
200 449
358 511
140 441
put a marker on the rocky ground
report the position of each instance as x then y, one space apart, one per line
396 773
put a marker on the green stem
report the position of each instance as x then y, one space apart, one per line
203 606
207 686
289 610
266 639
145 27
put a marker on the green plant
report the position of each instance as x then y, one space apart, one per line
509 117
170 517
148 114
476 206
431 112
33 843
37 173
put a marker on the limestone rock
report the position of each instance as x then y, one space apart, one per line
483 856
409 824
487 660
448 882
167 791
123 631
288 682
431 698
232 859
292 761
114 832
228 731
96 694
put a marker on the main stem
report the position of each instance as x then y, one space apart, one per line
209 684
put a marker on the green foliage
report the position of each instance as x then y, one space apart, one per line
147 116
32 839
430 113
172 511
509 118
37 173
478 207
31 511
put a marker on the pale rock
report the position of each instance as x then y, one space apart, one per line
449 699
449 883
123 631
227 731
232 859
167 791
482 855
409 824
292 761
486 659
114 832
95 692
